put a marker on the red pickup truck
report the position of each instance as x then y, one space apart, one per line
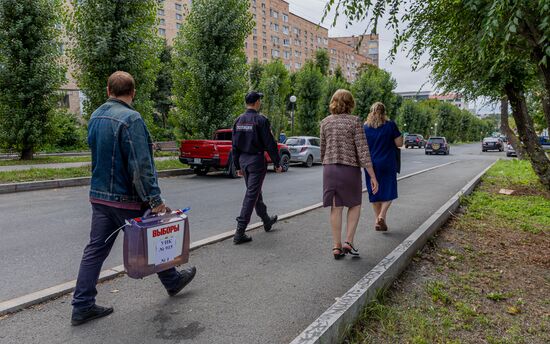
204 155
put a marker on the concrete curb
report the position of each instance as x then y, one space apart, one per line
70 182
332 325
19 303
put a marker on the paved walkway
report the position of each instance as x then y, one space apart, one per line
267 291
60 165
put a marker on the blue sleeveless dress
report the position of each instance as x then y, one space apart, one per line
383 155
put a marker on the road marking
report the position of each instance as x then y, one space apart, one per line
21 302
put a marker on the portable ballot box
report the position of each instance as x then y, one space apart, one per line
155 243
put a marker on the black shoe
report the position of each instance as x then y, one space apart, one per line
186 276
269 224
80 317
241 237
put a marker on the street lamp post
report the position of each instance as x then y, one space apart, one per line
431 130
292 104
435 129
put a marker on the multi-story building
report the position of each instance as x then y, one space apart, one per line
365 45
346 57
278 34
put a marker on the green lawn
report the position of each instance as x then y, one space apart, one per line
483 279
65 159
37 174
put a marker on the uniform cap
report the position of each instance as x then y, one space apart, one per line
253 97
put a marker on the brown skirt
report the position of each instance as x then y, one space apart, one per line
342 186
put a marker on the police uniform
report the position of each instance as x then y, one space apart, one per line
251 138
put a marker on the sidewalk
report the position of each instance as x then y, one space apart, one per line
267 291
60 165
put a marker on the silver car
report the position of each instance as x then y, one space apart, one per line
304 149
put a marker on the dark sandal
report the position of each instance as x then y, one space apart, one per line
351 250
383 226
338 255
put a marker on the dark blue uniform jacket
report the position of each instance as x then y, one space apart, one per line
252 135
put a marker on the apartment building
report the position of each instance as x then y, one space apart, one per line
366 45
278 34
345 56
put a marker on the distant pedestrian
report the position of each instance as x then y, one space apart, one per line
384 140
344 150
252 137
124 184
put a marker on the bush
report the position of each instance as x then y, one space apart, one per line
65 133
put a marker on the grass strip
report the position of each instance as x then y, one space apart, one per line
482 279
40 174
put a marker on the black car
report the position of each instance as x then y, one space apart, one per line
492 143
437 145
414 140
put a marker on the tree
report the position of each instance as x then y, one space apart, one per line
255 72
322 61
374 85
415 118
111 35
162 95
479 47
333 84
275 85
309 91
30 72
210 74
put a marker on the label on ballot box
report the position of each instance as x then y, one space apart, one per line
164 243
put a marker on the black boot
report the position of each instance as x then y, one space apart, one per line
186 276
240 236
80 317
269 222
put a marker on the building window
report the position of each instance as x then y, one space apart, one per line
286 42
285 30
178 26
285 18
274 14
288 54
162 22
297 65
275 39
325 41
179 7
255 45
274 53
160 12
275 27
255 32
179 16
162 32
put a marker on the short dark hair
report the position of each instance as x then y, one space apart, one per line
121 84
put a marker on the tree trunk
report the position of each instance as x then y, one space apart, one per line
27 153
506 130
527 134
545 75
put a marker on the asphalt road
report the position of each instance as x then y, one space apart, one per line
267 291
44 232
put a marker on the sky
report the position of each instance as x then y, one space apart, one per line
400 67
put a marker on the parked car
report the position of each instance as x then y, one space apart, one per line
414 140
204 155
510 151
492 143
304 149
436 145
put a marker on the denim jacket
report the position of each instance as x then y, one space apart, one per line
123 167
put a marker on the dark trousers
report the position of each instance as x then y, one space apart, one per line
254 168
105 220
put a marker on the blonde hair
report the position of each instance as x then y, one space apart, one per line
377 116
342 102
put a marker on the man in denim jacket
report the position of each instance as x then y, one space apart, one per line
124 184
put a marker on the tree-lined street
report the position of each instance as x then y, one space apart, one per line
266 292
59 220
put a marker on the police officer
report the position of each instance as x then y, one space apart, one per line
252 136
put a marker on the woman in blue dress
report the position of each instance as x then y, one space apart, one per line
384 138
